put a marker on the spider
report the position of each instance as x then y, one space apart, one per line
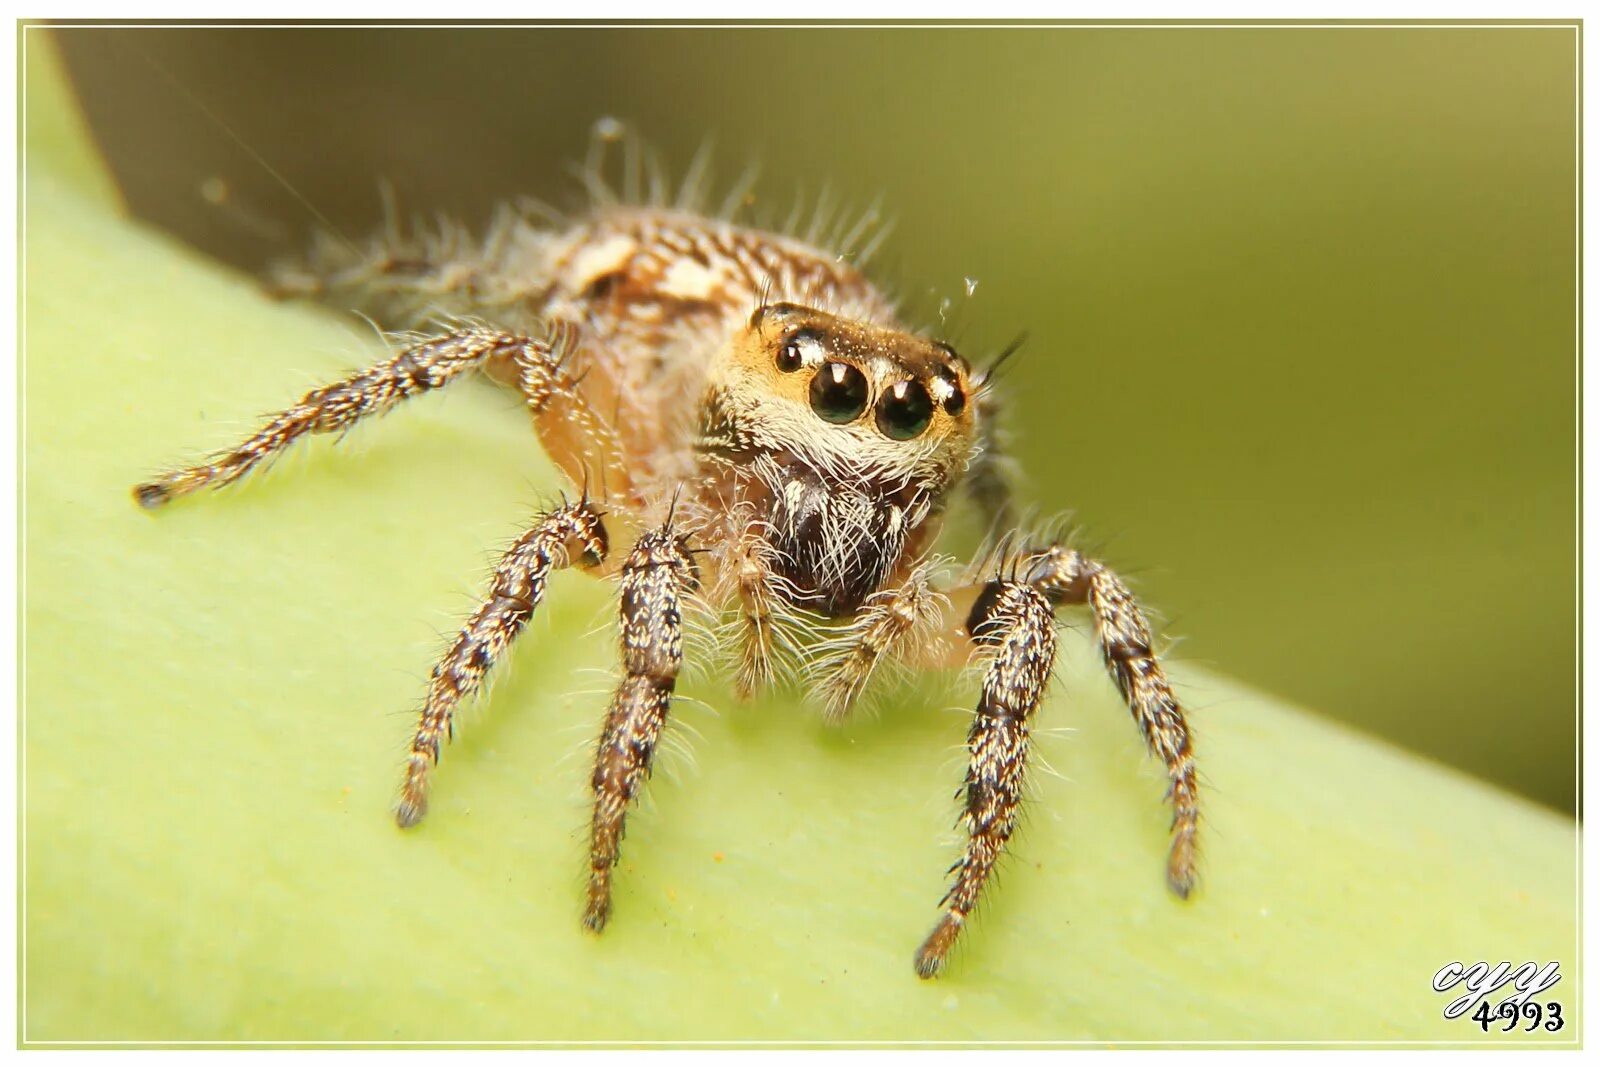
754 431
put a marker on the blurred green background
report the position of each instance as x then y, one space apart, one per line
1301 302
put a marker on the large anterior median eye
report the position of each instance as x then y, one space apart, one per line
905 410
839 392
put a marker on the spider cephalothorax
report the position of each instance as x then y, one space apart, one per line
755 430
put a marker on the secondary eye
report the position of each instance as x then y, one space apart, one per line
905 410
955 401
790 358
839 392
799 347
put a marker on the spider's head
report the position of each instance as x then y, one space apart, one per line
846 435
849 397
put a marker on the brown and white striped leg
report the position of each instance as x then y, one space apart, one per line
657 575
1068 577
1015 623
883 629
570 534
420 367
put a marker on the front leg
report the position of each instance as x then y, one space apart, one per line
1068 577
659 572
1013 622
572 533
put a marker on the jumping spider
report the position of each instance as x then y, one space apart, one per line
755 430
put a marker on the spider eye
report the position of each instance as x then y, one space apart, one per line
839 392
955 401
905 410
790 358
796 348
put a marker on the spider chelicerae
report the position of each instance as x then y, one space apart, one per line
756 433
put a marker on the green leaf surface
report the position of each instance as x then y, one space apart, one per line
216 699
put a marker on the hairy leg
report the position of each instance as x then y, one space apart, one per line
657 575
758 604
1068 577
574 435
884 629
1015 624
404 274
570 534
419 367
